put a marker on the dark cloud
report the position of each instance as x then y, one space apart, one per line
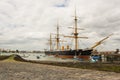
63 4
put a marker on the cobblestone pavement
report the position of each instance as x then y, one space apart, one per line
31 71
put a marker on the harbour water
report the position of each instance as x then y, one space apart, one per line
38 57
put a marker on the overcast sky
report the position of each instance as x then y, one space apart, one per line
26 24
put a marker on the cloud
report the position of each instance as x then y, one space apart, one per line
27 24
63 3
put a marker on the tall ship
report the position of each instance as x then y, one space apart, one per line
71 53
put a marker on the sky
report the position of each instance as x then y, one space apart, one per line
27 24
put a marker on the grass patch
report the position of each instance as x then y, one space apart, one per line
3 57
111 67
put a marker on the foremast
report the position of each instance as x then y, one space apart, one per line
76 32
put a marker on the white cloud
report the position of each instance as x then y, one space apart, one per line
26 24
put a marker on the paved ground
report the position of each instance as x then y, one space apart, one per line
30 71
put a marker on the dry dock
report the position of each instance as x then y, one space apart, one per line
29 71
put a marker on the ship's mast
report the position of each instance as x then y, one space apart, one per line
50 42
57 38
75 32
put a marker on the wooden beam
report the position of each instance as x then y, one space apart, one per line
77 37
77 28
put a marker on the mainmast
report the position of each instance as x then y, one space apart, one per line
57 38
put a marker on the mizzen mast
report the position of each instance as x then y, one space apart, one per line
50 42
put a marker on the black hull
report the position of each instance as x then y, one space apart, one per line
70 53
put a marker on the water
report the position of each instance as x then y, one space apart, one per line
39 57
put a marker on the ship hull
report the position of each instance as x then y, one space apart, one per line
82 54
